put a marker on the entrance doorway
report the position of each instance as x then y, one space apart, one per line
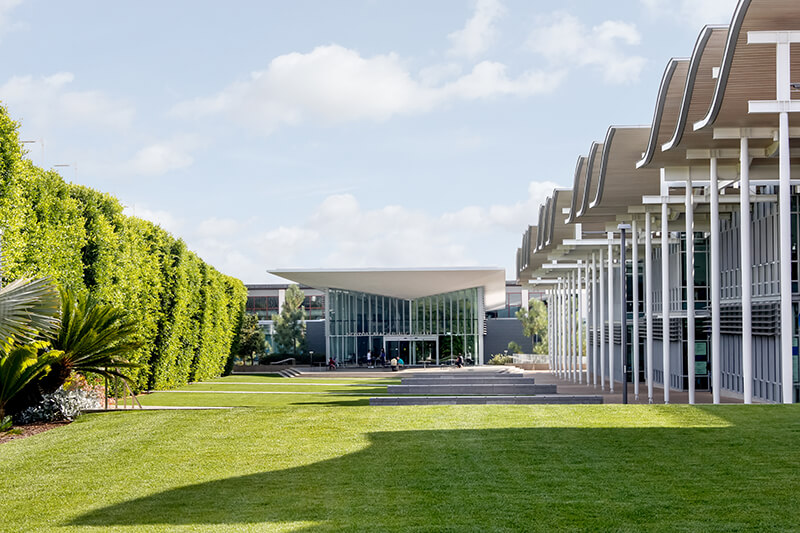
414 350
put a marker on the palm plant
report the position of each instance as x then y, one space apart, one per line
94 337
21 365
28 308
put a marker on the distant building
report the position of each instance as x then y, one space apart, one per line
425 316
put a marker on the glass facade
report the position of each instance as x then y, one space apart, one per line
434 329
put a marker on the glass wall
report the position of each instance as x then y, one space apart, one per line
431 329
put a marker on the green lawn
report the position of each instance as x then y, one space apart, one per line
327 462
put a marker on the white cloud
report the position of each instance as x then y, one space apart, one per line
332 84
161 157
695 13
564 40
341 233
162 218
45 102
6 7
479 32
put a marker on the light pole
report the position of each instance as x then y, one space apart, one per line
623 285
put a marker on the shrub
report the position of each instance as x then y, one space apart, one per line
500 359
60 405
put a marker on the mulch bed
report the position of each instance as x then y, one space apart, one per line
32 429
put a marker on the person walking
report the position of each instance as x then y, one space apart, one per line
383 358
369 358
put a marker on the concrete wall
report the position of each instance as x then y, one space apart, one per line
315 335
501 331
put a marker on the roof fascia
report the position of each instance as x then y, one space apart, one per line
691 79
579 165
725 67
666 79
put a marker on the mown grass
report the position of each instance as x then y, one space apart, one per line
328 463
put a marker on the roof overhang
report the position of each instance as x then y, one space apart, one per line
408 284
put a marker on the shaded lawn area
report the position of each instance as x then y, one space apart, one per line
349 467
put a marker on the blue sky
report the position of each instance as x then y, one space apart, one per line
315 134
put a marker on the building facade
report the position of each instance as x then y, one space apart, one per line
695 216
425 316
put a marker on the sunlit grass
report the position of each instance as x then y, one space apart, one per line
333 463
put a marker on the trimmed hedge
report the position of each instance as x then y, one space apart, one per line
188 312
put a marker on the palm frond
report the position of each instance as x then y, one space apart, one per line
29 308
95 337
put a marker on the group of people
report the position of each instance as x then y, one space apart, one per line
396 363
373 362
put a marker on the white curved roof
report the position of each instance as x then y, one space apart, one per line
407 284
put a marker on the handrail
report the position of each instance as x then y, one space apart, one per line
284 361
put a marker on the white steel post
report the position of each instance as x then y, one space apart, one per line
611 356
569 325
648 302
576 323
746 271
635 275
595 337
579 360
715 283
665 304
586 308
785 214
690 350
602 323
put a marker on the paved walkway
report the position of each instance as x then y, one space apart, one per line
675 397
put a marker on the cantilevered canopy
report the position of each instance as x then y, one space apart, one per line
407 284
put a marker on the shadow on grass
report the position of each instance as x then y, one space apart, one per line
720 478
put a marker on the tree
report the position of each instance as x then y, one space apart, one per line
290 327
252 342
534 324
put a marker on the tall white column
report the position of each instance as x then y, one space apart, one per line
550 329
690 287
573 298
564 329
595 328
785 214
635 275
611 356
570 325
601 303
665 301
585 309
648 302
746 271
715 283
560 332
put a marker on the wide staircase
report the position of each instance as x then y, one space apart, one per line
471 386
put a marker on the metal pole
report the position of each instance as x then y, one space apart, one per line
580 329
746 271
665 333
602 323
648 302
690 322
610 313
715 283
595 337
785 219
635 340
623 311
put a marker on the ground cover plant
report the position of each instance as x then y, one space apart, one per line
332 463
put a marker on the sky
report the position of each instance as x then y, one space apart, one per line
347 134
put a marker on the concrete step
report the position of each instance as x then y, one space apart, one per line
468 380
485 400
289 373
506 390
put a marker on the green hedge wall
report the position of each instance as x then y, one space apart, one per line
188 312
